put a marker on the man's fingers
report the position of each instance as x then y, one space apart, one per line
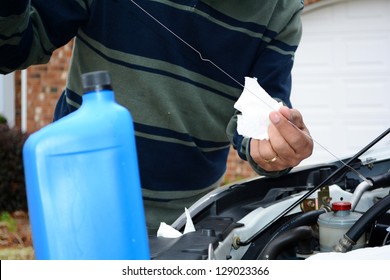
293 116
288 125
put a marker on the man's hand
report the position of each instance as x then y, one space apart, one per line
289 141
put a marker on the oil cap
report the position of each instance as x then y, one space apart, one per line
96 81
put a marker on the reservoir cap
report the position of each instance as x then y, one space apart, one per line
341 206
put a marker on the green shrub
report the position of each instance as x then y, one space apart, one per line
2 119
12 185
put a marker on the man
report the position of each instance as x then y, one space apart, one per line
158 53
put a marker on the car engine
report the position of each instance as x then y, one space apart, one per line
339 206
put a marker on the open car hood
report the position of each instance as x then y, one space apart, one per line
277 218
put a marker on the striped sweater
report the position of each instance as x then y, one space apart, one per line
182 105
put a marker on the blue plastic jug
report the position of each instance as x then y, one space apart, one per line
82 179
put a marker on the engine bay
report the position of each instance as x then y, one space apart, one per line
332 207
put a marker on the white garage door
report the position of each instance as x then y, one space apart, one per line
7 98
341 79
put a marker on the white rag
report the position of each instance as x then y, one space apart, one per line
255 104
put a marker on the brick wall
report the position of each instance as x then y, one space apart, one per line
45 84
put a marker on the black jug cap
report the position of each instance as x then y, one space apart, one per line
96 81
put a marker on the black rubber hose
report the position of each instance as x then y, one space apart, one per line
368 218
307 218
380 181
304 219
285 239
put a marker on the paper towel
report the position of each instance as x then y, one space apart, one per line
255 105
169 232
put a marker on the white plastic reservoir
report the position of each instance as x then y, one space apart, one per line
333 226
